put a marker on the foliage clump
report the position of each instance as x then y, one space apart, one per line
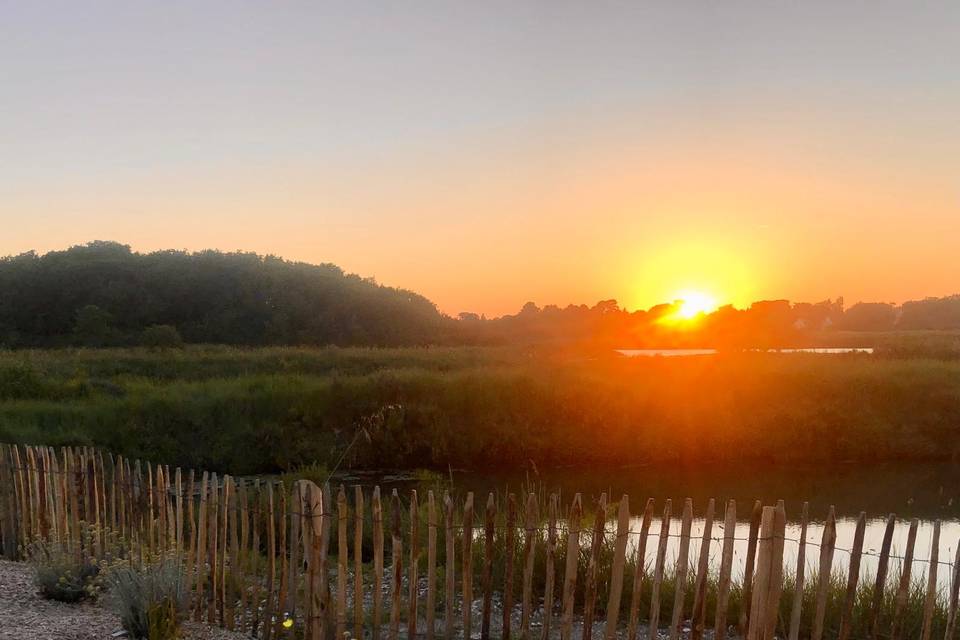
161 336
103 294
151 603
63 575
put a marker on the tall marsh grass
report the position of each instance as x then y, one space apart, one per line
267 410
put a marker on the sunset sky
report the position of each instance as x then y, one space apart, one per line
489 153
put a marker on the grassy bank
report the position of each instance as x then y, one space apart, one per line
271 409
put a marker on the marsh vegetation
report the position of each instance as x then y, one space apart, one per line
273 409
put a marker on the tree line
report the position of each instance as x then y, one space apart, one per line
767 323
104 294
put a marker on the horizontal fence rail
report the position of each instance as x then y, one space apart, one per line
297 560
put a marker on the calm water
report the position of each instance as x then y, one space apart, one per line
928 492
668 353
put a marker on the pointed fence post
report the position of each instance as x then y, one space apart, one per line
590 589
570 570
413 587
699 613
726 569
489 528
761 576
797 608
467 559
664 536
619 560
775 588
531 518
827 544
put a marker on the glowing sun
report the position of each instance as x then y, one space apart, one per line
694 303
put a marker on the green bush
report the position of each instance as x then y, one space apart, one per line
151 603
64 576
161 336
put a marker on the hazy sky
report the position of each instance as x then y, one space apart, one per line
490 153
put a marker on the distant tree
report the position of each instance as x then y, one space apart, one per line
161 336
869 316
817 316
931 313
606 306
94 327
209 296
767 323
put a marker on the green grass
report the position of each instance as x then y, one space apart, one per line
266 410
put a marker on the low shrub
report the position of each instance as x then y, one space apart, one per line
62 575
161 336
66 578
152 602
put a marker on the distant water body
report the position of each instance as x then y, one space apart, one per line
669 353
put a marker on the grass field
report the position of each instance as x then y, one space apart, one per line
262 410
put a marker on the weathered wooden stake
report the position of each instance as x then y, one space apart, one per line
749 567
590 589
213 505
797 608
413 594
880 584
509 548
467 564
377 513
397 558
531 516
853 578
930 601
640 571
449 567
431 565
775 582
903 590
658 570
570 570
201 548
699 612
224 550
358 561
683 566
550 569
619 560
761 577
343 555
489 526
827 544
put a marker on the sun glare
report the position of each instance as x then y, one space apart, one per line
693 303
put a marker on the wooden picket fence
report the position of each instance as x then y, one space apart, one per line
280 562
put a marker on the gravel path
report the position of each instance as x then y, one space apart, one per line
24 615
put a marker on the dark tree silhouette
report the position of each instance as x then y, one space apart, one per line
103 294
